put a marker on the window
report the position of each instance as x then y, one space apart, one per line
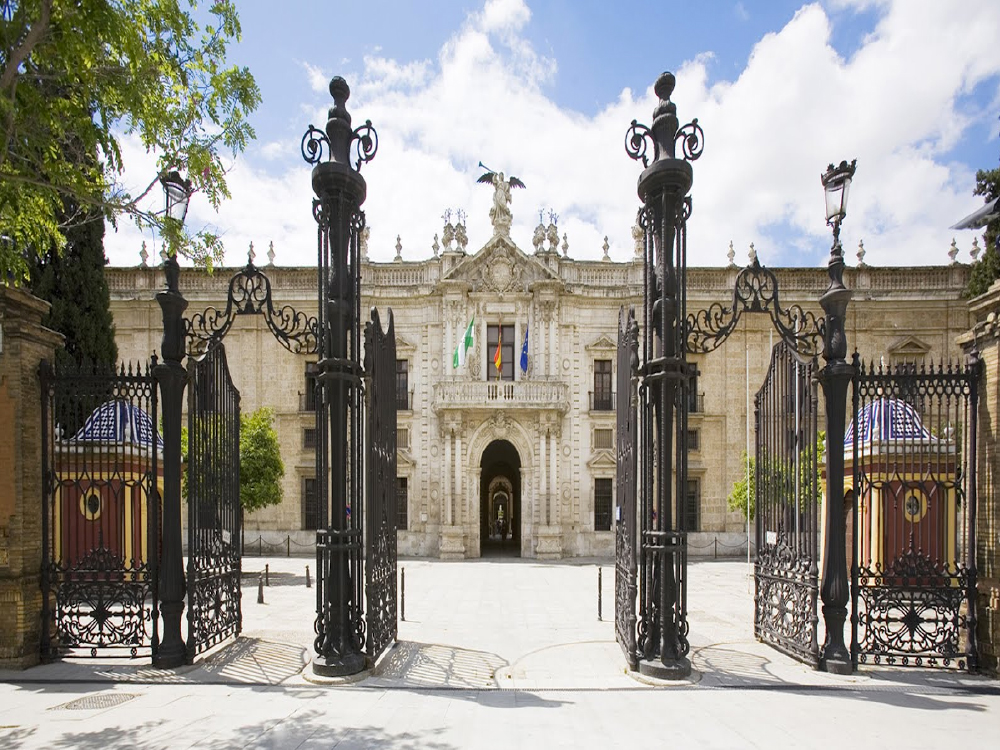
402 438
402 384
310 504
691 505
309 438
602 505
603 396
401 502
505 335
604 439
694 440
307 399
696 401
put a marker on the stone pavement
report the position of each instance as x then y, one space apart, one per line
480 639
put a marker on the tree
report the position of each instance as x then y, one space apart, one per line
73 282
261 467
778 473
744 489
986 270
75 78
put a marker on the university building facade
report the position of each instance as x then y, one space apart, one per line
520 458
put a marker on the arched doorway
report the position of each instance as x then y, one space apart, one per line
500 500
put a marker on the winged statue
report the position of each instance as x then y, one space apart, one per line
500 215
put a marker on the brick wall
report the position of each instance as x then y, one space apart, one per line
985 336
24 344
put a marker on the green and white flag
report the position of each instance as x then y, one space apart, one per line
464 345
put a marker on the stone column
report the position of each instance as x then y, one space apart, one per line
448 517
543 484
985 337
452 545
24 343
553 505
459 495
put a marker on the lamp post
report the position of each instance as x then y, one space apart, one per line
836 378
171 376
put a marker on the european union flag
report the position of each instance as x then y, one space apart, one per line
524 351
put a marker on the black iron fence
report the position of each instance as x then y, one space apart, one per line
100 536
910 466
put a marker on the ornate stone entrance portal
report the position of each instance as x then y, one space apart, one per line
500 500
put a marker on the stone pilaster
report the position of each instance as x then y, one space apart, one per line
24 343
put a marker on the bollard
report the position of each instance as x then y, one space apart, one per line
716 556
267 575
288 545
599 617
260 546
309 582
260 589
402 594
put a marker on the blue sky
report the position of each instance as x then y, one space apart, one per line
546 90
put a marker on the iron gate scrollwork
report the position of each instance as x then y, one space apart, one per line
787 497
214 512
912 447
380 526
625 480
101 472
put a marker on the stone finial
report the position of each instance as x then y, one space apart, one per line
143 256
606 247
447 234
861 253
435 246
270 253
163 253
250 254
553 232
399 249
461 238
731 255
538 238
752 254
565 246
974 252
365 234
953 252
637 237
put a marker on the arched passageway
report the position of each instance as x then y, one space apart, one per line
500 500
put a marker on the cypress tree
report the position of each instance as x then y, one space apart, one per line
73 282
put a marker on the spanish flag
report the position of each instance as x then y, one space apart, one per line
497 356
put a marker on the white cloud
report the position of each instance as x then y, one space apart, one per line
896 105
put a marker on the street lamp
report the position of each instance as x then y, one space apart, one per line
836 378
177 191
837 185
171 374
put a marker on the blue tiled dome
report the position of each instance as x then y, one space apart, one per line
118 422
888 419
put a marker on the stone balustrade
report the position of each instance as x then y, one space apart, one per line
523 394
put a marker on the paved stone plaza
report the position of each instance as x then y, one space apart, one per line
493 653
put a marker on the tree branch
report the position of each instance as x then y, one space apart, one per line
32 38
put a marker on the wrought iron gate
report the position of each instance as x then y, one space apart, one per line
100 511
380 526
912 447
214 510
786 495
625 516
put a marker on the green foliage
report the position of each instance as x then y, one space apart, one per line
261 467
77 77
777 473
73 283
744 488
986 269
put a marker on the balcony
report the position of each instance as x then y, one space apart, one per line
602 400
696 403
404 399
481 394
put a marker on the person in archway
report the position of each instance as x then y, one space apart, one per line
501 524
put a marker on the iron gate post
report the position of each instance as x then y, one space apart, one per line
340 190
171 375
836 378
663 189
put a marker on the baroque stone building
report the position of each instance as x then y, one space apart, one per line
521 457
